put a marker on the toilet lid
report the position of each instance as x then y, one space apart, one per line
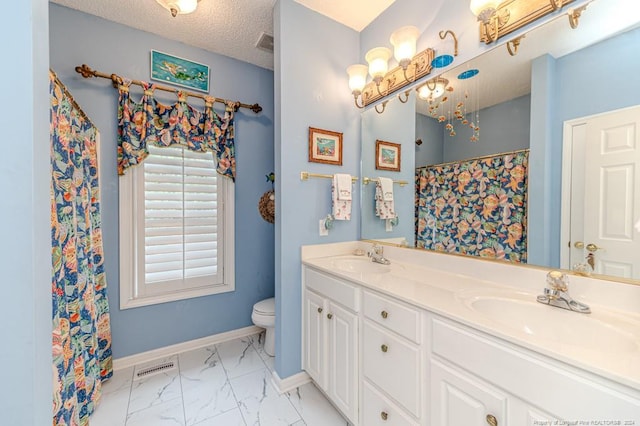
265 307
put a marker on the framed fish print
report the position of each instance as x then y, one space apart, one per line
179 71
325 146
388 156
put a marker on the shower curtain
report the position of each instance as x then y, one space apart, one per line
476 207
81 329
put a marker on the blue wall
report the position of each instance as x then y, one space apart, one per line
78 38
503 127
25 221
397 125
312 53
432 135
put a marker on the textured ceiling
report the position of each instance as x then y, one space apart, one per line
227 27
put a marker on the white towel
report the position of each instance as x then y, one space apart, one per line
343 183
341 209
384 209
386 186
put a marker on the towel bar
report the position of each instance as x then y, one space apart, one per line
307 175
366 180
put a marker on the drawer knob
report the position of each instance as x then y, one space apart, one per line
384 348
491 420
384 314
319 310
329 315
384 415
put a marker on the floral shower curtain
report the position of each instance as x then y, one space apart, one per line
476 207
150 122
81 327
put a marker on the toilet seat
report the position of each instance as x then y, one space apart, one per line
266 307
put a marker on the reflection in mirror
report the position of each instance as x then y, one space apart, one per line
557 83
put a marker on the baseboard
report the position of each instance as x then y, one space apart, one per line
290 383
132 360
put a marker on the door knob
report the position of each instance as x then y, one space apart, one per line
384 348
592 248
319 310
491 420
384 314
384 415
329 315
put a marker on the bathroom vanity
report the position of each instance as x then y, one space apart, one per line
441 340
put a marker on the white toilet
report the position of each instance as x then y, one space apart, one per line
264 315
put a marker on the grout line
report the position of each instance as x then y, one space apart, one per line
226 374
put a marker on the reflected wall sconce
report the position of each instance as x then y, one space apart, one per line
499 18
411 67
179 7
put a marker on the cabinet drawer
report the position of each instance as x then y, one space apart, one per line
339 291
393 315
393 365
377 410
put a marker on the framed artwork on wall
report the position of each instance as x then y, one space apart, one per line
179 71
388 156
325 146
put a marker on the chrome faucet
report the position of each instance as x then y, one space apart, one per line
557 294
377 255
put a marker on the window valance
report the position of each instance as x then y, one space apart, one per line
151 122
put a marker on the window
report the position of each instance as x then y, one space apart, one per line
176 228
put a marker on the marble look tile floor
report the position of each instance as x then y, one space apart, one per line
227 384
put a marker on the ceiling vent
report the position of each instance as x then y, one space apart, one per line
265 42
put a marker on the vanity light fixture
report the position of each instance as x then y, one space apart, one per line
411 67
404 42
499 18
486 10
179 7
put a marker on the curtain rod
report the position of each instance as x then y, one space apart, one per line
482 157
86 71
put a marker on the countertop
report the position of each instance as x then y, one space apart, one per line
451 295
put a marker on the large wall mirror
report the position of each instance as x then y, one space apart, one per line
565 90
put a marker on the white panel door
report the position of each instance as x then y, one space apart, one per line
342 360
459 399
315 341
606 193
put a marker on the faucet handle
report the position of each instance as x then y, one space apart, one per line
557 280
377 249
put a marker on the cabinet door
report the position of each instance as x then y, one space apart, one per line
459 399
315 342
342 360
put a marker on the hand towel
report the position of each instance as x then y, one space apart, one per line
340 209
386 186
384 209
343 183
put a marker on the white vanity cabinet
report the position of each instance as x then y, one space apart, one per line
474 375
331 339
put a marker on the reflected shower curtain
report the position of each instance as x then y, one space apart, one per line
81 329
476 207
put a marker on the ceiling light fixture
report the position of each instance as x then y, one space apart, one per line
179 7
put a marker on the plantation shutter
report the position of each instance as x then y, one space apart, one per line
181 218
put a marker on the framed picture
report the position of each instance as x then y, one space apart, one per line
388 156
325 146
179 71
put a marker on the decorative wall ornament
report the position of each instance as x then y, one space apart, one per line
388 156
179 71
325 146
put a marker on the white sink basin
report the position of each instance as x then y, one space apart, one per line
359 265
521 312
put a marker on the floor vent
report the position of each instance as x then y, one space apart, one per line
159 367
265 42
